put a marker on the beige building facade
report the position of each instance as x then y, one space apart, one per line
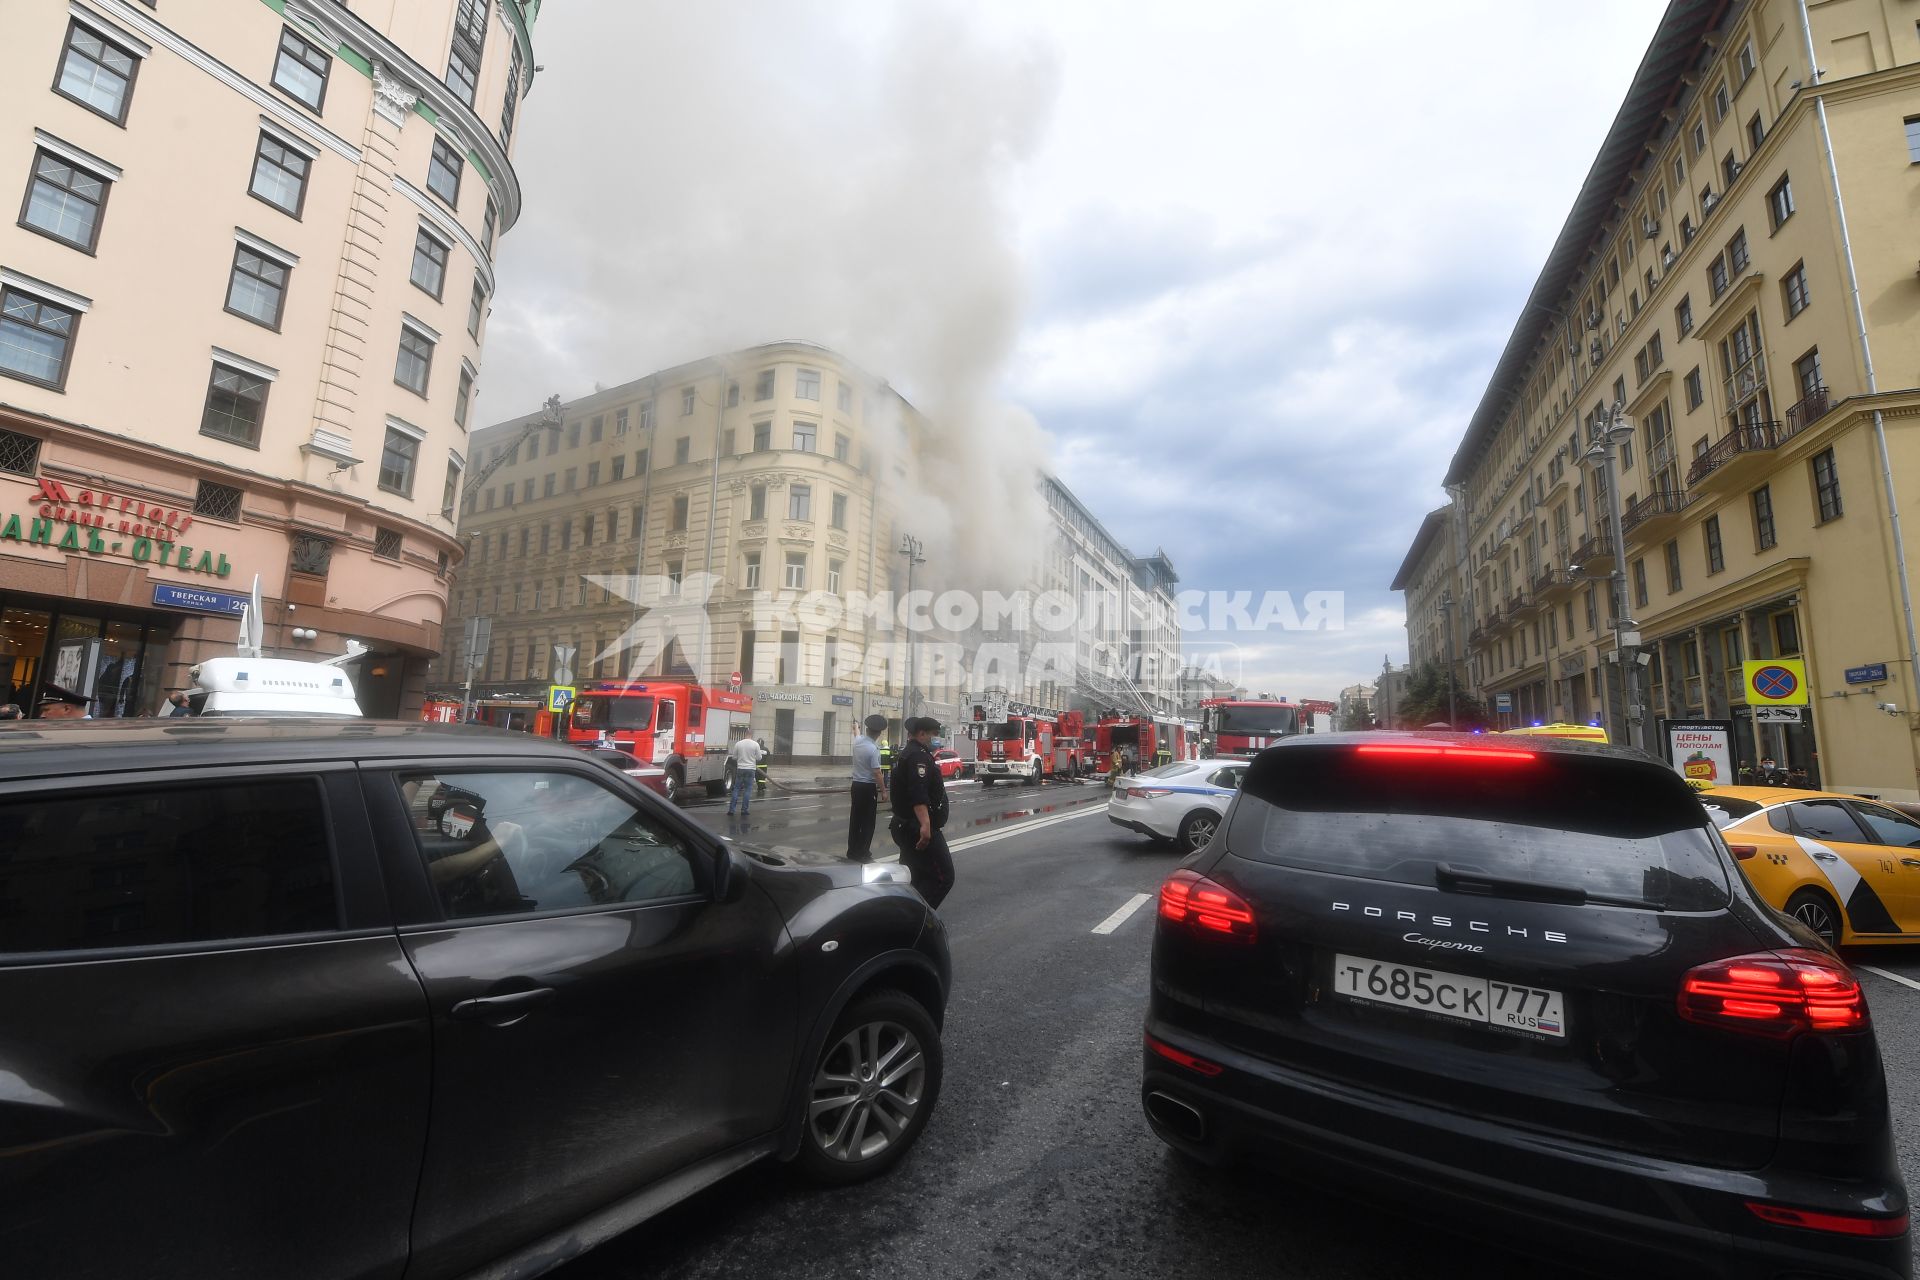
241 317
1738 276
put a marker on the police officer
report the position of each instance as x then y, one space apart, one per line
918 795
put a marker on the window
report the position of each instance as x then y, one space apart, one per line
1592 619
463 398
511 102
566 543
762 436
1672 551
687 401
100 867
800 502
1722 102
1729 169
217 501
1743 61
1717 277
1686 230
1756 133
619 423
450 491
36 338
429 262
561 841
1826 485
414 364
640 460
806 384
547 485
1780 201
619 467
763 385
803 436
844 397
1793 289
568 481
796 579
1764 538
236 406
682 450
751 575
476 309
1683 315
397 459
757 502
65 201
1679 171
646 417
487 227
387 543
257 288
839 508
300 71
679 512
1698 136
841 447
1694 392
546 537
1639 584
1737 257
443 172
833 575
733 393
593 474
96 73
1716 553
280 175
1806 371
469 41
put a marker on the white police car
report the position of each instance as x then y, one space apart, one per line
1181 802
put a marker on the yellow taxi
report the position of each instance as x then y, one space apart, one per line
1580 732
1846 867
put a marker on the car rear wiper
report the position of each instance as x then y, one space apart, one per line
1474 880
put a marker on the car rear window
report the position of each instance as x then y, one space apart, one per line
1610 827
1723 810
1173 770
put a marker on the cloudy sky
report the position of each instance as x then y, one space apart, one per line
1236 271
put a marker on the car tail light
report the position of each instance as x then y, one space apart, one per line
1143 793
1190 899
1845 1224
1743 851
1183 1058
1420 750
1775 993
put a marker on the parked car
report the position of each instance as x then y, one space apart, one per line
1178 803
1846 867
650 776
325 999
951 765
1518 986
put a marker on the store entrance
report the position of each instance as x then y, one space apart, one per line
114 656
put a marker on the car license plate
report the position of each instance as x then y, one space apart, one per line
1534 1010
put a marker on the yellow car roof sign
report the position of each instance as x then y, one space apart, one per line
1583 732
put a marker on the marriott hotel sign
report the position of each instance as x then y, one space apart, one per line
99 522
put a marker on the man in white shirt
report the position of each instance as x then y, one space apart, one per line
867 781
746 760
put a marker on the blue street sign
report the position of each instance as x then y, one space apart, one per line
842 699
169 596
1872 673
1503 702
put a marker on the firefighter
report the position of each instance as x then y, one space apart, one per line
918 796
760 770
1115 766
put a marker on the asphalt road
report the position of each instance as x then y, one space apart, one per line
1037 1161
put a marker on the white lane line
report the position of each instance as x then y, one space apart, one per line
1021 828
1119 917
1894 977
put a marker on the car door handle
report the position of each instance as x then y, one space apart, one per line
1910 862
1823 856
509 1005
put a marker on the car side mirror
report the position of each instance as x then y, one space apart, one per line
730 875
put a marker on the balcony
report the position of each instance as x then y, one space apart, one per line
1595 553
1654 514
1552 582
1522 603
1811 408
1734 455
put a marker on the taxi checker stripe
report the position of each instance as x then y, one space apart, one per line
1866 913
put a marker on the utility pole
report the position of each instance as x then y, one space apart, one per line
1446 609
910 547
1615 431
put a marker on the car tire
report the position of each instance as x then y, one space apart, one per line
676 784
848 1104
1818 912
1197 828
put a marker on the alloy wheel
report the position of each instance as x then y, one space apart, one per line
1814 914
1200 830
867 1091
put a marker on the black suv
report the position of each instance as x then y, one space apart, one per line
346 999
1522 986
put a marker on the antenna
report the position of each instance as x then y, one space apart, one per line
250 624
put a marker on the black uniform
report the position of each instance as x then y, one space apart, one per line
916 779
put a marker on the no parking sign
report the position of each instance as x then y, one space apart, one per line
1776 682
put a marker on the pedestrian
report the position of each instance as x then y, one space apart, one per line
177 704
61 704
867 781
11 711
1114 766
918 796
746 755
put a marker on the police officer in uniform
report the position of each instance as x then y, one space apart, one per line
918 795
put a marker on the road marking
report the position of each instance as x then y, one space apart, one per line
1905 982
1021 828
1119 917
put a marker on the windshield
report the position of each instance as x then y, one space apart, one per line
1258 720
612 711
1002 733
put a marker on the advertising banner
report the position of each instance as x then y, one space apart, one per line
1701 751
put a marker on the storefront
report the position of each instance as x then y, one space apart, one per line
117 655
1698 674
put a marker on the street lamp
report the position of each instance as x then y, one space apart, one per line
1446 607
910 547
1613 431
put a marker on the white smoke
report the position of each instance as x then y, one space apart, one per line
703 177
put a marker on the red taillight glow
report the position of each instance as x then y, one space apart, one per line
1190 899
1183 1058
1775 993
1144 793
1846 1224
1418 750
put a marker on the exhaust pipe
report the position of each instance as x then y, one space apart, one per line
1176 1116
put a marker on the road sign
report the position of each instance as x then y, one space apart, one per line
1503 702
559 697
733 682
1776 715
563 663
1872 673
479 637
1776 682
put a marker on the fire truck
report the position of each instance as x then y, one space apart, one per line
1233 728
1024 742
1151 742
442 710
1318 714
686 729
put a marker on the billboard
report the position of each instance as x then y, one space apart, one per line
1701 751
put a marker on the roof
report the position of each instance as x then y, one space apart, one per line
1429 530
1656 85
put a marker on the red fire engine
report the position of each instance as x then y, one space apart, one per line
442 710
686 729
1233 727
1028 743
1317 715
1150 742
